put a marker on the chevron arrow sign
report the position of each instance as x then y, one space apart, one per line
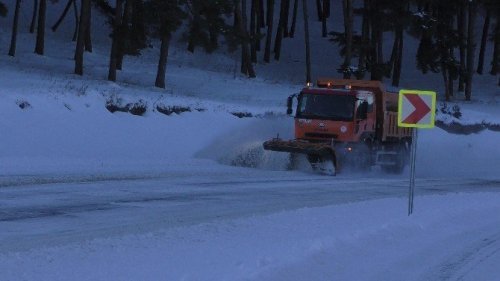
416 109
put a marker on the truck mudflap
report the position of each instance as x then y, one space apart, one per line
317 153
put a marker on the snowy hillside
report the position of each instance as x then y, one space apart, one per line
186 192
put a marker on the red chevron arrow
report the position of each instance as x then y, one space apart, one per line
421 109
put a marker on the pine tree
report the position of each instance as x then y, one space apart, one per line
133 35
439 37
207 22
163 17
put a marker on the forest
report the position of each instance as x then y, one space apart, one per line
453 35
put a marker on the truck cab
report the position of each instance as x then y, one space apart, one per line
334 115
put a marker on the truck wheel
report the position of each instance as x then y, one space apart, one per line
324 165
314 160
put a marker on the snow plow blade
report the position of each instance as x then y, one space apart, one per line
297 146
321 156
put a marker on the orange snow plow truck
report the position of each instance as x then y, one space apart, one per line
346 123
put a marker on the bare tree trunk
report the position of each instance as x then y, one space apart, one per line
13 40
40 31
262 20
113 58
379 40
376 46
394 52
380 46
495 63
326 8
259 24
319 9
470 49
285 20
162 63
195 27
127 13
253 27
396 75
324 31
365 31
484 38
462 44
306 35
63 15
445 80
75 9
279 32
88 30
450 80
444 52
294 18
33 16
80 42
269 35
348 24
246 63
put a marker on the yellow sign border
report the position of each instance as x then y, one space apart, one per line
416 92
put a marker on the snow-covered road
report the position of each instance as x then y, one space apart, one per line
59 210
227 223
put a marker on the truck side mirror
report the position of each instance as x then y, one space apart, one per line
289 104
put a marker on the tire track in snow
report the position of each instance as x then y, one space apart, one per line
459 266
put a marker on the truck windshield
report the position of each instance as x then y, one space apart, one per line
321 106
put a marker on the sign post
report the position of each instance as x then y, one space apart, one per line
417 109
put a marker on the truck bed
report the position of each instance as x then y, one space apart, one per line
391 129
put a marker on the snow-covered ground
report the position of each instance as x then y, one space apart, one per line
86 194
451 237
